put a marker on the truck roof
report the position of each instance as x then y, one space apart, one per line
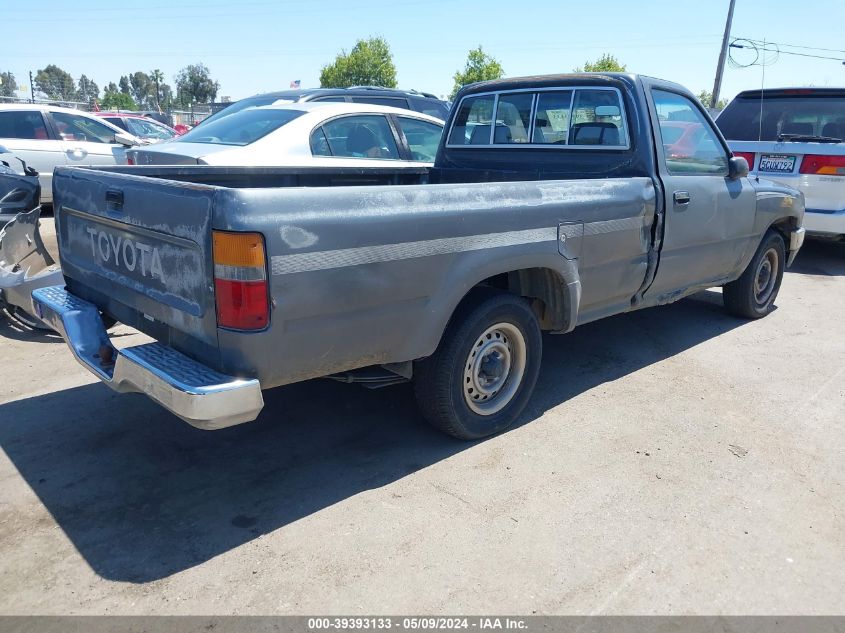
540 81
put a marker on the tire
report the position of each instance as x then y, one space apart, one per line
483 372
753 295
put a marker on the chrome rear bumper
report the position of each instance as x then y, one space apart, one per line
199 395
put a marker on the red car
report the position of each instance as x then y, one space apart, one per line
143 127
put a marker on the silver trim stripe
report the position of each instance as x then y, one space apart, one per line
611 226
324 260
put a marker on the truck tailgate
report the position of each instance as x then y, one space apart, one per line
140 249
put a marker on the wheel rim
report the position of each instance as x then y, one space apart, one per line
766 277
494 369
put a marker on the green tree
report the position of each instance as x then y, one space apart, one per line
8 85
162 93
369 63
88 90
114 99
607 63
141 88
56 83
195 85
479 67
705 97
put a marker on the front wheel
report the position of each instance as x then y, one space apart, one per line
483 372
753 295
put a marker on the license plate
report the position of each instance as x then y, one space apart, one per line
777 163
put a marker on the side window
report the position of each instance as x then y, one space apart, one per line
23 124
385 101
423 137
596 119
78 128
319 143
513 118
551 123
690 146
330 99
471 125
116 121
367 136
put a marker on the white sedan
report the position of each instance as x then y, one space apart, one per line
48 136
304 134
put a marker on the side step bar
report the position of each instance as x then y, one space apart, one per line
199 395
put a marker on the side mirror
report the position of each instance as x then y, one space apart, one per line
737 167
125 140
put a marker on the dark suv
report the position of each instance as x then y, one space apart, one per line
408 99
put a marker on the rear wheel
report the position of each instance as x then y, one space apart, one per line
753 295
483 372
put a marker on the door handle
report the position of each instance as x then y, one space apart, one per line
681 197
77 152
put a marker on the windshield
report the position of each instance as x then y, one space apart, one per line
243 104
241 128
784 116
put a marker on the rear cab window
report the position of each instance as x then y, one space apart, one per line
577 117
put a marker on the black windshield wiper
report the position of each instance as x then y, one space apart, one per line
807 138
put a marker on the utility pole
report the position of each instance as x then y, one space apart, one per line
717 85
31 88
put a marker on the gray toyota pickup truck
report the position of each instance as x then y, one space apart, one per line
553 201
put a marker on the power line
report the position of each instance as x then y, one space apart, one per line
809 48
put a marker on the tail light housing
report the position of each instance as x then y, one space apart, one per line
240 280
749 158
823 165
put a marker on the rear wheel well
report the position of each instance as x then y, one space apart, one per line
543 287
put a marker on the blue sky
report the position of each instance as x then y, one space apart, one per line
256 46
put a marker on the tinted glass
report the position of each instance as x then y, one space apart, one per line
551 124
513 118
597 119
431 107
116 120
472 122
72 127
364 136
22 124
319 143
329 99
395 102
801 115
423 138
696 149
240 128
243 104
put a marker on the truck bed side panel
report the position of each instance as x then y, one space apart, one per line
372 275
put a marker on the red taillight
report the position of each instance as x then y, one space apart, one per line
130 160
823 165
240 281
749 158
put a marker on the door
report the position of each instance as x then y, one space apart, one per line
709 216
26 135
87 141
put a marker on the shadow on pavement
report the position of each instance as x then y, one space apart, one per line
142 495
819 257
